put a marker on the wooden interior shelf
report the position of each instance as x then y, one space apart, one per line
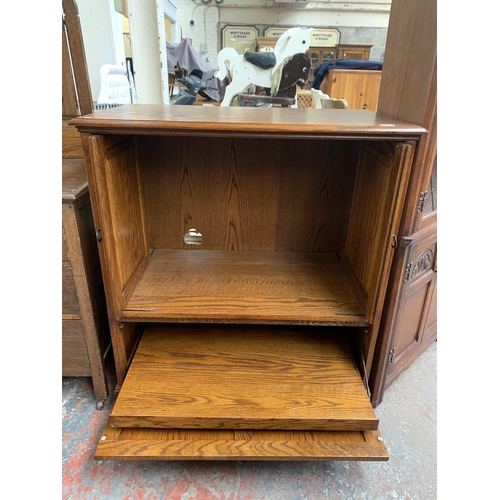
237 377
255 287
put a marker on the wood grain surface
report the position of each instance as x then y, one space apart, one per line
75 360
247 194
187 444
282 287
192 376
71 141
263 122
74 179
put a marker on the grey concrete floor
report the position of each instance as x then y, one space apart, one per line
408 423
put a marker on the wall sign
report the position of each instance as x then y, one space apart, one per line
241 38
319 37
325 37
274 32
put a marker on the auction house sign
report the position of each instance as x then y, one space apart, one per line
241 38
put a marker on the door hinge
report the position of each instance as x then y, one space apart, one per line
392 352
408 269
421 201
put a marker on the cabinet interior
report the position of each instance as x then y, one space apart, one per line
293 231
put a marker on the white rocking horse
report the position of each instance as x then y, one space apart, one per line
260 68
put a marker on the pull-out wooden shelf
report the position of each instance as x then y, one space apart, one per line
242 392
256 377
188 444
259 287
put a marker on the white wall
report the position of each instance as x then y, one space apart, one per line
362 22
102 37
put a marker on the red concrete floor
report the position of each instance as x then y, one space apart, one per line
408 422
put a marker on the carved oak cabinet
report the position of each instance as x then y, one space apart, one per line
254 339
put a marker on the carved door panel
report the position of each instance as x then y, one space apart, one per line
415 326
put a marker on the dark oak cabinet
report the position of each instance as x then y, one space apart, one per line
246 254
408 91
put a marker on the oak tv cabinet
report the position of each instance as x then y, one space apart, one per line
245 255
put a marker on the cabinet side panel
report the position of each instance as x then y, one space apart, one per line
93 276
75 361
246 194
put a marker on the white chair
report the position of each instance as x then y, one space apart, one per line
321 100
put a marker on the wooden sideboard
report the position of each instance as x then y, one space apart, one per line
246 254
360 88
350 51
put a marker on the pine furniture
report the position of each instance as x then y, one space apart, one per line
360 88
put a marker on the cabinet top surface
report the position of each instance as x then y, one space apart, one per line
213 120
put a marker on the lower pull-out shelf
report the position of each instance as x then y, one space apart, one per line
242 392
187 444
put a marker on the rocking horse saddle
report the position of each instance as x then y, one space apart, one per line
264 60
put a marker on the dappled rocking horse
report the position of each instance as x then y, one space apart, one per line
265 69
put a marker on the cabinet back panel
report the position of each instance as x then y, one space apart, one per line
247 194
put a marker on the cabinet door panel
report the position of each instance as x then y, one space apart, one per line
410 321
417 319
377 205
122 218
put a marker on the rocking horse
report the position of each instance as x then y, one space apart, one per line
295 73
263 69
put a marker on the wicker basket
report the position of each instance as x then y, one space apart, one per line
304 99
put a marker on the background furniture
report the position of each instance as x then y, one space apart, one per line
409 92
265 43
320 55
321 100
260 333
114 85
252 99
350 51
304 98
86 342
85 329
360 88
